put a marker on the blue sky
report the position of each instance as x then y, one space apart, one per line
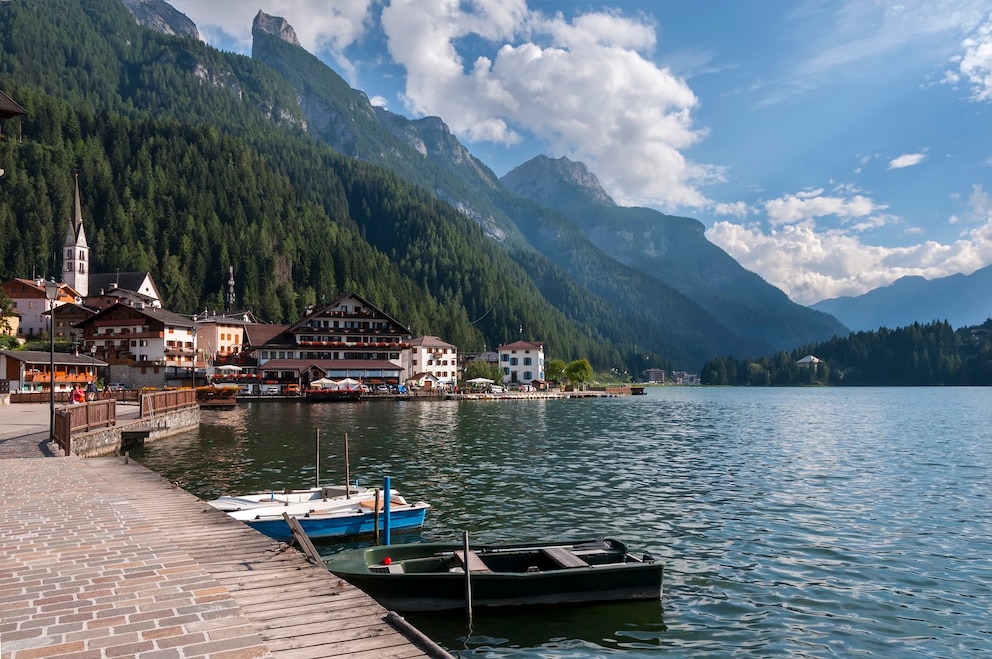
831 147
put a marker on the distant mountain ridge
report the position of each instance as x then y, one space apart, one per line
961 300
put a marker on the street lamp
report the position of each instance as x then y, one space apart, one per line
192 378
51 294
93 361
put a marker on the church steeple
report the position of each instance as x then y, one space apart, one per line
75 250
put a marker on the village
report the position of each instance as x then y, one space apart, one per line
121 334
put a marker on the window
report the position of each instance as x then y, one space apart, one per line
527 375
513 362
527 361
504 358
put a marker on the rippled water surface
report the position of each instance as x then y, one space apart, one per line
806 522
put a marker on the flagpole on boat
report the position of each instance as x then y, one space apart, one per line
468 577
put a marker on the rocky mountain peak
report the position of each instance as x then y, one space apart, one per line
542 180
160 16
274 25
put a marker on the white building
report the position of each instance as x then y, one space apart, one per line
522 362
429 354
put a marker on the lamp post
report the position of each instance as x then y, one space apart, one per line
51 294
93 361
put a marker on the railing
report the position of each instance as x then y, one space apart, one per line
159 402
83 417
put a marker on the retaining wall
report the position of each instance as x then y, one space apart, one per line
110 441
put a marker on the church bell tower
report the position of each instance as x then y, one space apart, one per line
75 252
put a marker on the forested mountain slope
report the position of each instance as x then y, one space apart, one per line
191 160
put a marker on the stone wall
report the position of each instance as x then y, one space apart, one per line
110 441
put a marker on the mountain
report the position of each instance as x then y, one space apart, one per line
675 251
160 16
191 160
961 300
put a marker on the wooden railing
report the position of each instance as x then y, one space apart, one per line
159 402
83 417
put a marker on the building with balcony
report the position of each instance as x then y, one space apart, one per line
431 355
28 298
349 337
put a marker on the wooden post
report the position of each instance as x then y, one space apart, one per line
300 536
347 471
468 578
375 516
385 509
316 469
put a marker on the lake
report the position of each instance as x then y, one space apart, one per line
792 521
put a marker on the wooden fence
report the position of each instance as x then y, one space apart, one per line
82 418
159 402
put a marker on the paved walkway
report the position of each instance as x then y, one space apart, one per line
103 558
24 429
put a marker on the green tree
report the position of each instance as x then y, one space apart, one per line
481 369
554 370
580 371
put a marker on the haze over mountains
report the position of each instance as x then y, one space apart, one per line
192 160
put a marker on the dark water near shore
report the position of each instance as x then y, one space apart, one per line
803 522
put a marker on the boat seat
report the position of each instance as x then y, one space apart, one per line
563 558
474 563
370 503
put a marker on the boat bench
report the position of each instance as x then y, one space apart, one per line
474 563
563 558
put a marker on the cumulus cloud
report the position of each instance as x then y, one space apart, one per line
975 64
906 160
811 204
812 262
586 87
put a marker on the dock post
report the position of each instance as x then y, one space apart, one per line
385 509
468 577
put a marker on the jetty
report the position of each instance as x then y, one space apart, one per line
103 557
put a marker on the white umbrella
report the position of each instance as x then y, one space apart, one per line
480 381
348 381
228 367
324 383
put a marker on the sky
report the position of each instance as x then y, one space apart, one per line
832 147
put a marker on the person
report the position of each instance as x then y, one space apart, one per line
91 390
77 395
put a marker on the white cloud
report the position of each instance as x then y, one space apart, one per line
810 263
976 63
906 160
811 204
584 87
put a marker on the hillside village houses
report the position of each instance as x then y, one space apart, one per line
121 332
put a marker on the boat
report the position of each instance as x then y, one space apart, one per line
431 576
325 395
280 498
322 516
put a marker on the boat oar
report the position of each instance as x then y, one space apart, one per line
468 578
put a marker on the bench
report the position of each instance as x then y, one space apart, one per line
474 563
563 558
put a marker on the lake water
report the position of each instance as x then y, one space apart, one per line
805 522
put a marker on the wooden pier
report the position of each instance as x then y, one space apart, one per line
103 554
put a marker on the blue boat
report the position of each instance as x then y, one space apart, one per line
328 517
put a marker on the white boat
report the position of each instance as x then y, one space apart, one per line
322 515
286 497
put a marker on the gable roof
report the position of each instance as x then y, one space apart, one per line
9 108
430 342
155 313
523 345
129 281
258 334
330 307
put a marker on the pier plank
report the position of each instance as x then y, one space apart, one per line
270 583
